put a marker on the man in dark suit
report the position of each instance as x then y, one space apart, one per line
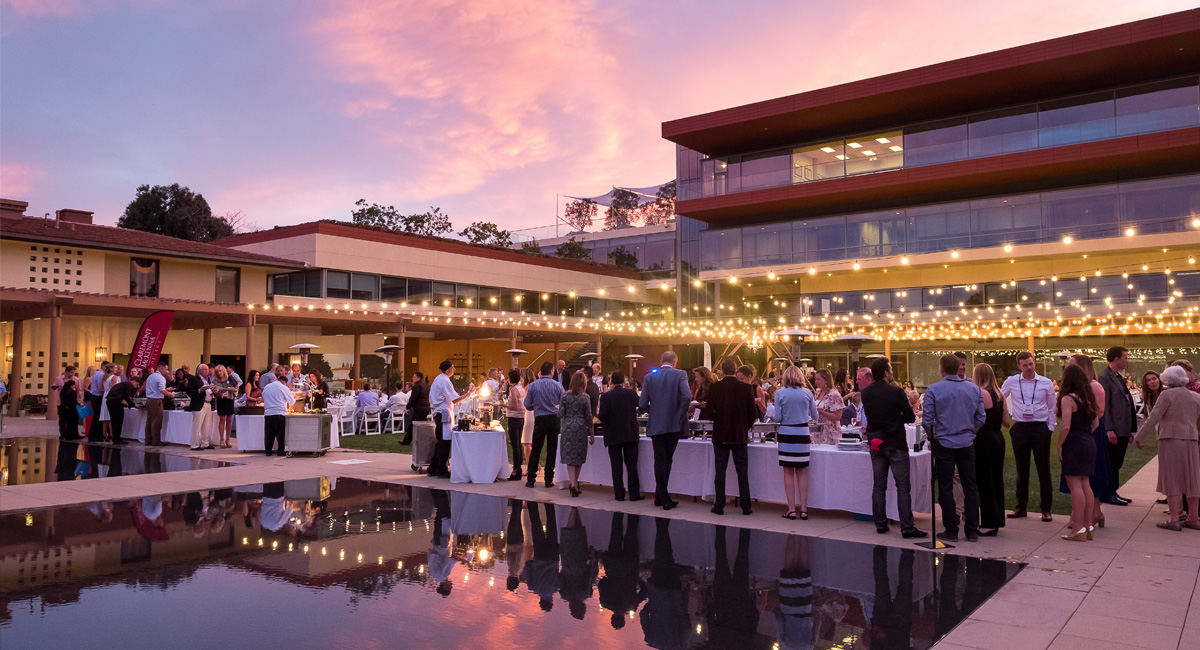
665 398
1120 418
561 375
418 406
733 409
888 410
618 417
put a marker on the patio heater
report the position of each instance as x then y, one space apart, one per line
304 349
516 353
796 336
386 352
633 359
854 342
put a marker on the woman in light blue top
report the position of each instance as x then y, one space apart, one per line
796 410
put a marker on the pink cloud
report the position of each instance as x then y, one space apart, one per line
18 181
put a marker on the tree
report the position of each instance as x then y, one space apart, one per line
574 250
428 224
580 213
531 247
483 232
620 209
662 209
238 221
623 258
174 211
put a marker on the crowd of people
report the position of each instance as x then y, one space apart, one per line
564 412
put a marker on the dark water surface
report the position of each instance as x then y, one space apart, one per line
48 460
304 564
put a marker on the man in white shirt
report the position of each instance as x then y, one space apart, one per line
493 386
277 398
1031 401
443 396
156 390
396 405
597 376
367 403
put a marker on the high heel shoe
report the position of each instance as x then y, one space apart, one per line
1099 523
1080 536
1091 533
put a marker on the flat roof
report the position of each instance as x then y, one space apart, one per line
124 240
440 244
1144 50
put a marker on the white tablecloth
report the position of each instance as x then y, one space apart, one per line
478 456
176 428
838 480
248 430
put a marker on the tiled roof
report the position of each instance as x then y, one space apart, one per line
442 244
112 238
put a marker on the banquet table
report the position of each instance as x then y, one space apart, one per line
478 456
838 480
477 514
248 433
176 428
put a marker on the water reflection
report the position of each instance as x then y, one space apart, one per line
46 460
359 561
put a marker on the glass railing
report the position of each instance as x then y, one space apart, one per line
1146 108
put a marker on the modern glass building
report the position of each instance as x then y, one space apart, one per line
993 203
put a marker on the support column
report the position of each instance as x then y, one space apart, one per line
1031 345
17 368
206 350
354 372
271 344
470 361
250 321
398 357
887 348
512 345
53 367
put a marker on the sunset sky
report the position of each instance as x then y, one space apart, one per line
291 111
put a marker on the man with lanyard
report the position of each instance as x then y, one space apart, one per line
542 397
156 390
952 412
1031 400
1120 416
443 396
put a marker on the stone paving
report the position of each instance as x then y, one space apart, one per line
1135 586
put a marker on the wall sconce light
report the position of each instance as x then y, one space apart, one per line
101 354
8 353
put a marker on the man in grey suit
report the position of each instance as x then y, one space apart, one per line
665 398
1120 418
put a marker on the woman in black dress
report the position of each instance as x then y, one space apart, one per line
319 391
1076 449
224 392
989 452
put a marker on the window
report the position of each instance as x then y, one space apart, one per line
393 289
229 281
337 284
1158 106
468 296
143 277
939 227
818 162
874 153
364 286
1076 119
1002 131
936 142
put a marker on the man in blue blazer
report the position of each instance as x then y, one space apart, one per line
665 398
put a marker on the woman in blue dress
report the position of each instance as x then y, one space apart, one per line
796 410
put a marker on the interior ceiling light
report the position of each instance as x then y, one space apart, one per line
827 149
840 157
855 145
868 152
882 140
896 148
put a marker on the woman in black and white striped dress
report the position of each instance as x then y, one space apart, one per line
797 412
795 596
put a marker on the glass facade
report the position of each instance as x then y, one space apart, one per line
1145 108
415 292
1153 206
654 252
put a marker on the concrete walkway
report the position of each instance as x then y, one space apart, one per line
1135 586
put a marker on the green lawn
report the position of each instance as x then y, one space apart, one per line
1134 460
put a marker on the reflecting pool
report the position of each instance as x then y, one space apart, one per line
349 564
47 460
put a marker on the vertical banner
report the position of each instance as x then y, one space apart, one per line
707 356
150 339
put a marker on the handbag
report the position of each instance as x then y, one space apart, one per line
84 410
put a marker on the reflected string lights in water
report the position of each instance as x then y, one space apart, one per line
353 564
